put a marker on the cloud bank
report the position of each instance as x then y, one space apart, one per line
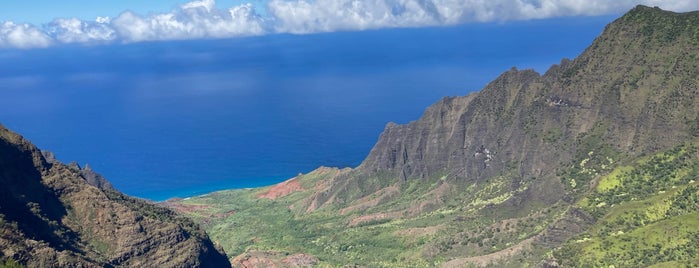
202 19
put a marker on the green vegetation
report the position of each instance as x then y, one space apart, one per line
263 224
648 177
648 213
664 25
9 263
409 230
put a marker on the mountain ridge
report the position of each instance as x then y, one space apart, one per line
491 110
506 176
52 216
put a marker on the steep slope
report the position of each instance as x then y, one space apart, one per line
50 216
499 176
637 82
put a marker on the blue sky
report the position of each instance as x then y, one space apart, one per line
39 12
43 23
42 11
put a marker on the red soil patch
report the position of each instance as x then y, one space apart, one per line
249 260
282 189
229 213
300 260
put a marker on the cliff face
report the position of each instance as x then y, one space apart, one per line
50 215
633 91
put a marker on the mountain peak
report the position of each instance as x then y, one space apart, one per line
661 25
647 10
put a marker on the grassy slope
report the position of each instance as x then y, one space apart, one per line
264 224
648 214
242 222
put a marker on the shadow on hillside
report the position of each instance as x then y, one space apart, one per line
33 206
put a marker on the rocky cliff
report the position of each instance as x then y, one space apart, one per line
56 215
633 91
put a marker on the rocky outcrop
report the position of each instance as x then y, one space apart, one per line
93 178
55 215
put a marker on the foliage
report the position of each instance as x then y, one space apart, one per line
9 263
649 177
423 239
593 157
647 214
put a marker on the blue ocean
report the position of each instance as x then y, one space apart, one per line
183 118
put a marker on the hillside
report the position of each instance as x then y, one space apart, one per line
56 215
580 166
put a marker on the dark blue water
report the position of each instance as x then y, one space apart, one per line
169 119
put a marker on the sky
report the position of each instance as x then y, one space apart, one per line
45 23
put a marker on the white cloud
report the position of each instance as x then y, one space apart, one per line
331 15
77 31
207 4
198 19
22 36
202 19
301 16
103 19
132 27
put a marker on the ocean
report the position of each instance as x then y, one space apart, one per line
184 118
